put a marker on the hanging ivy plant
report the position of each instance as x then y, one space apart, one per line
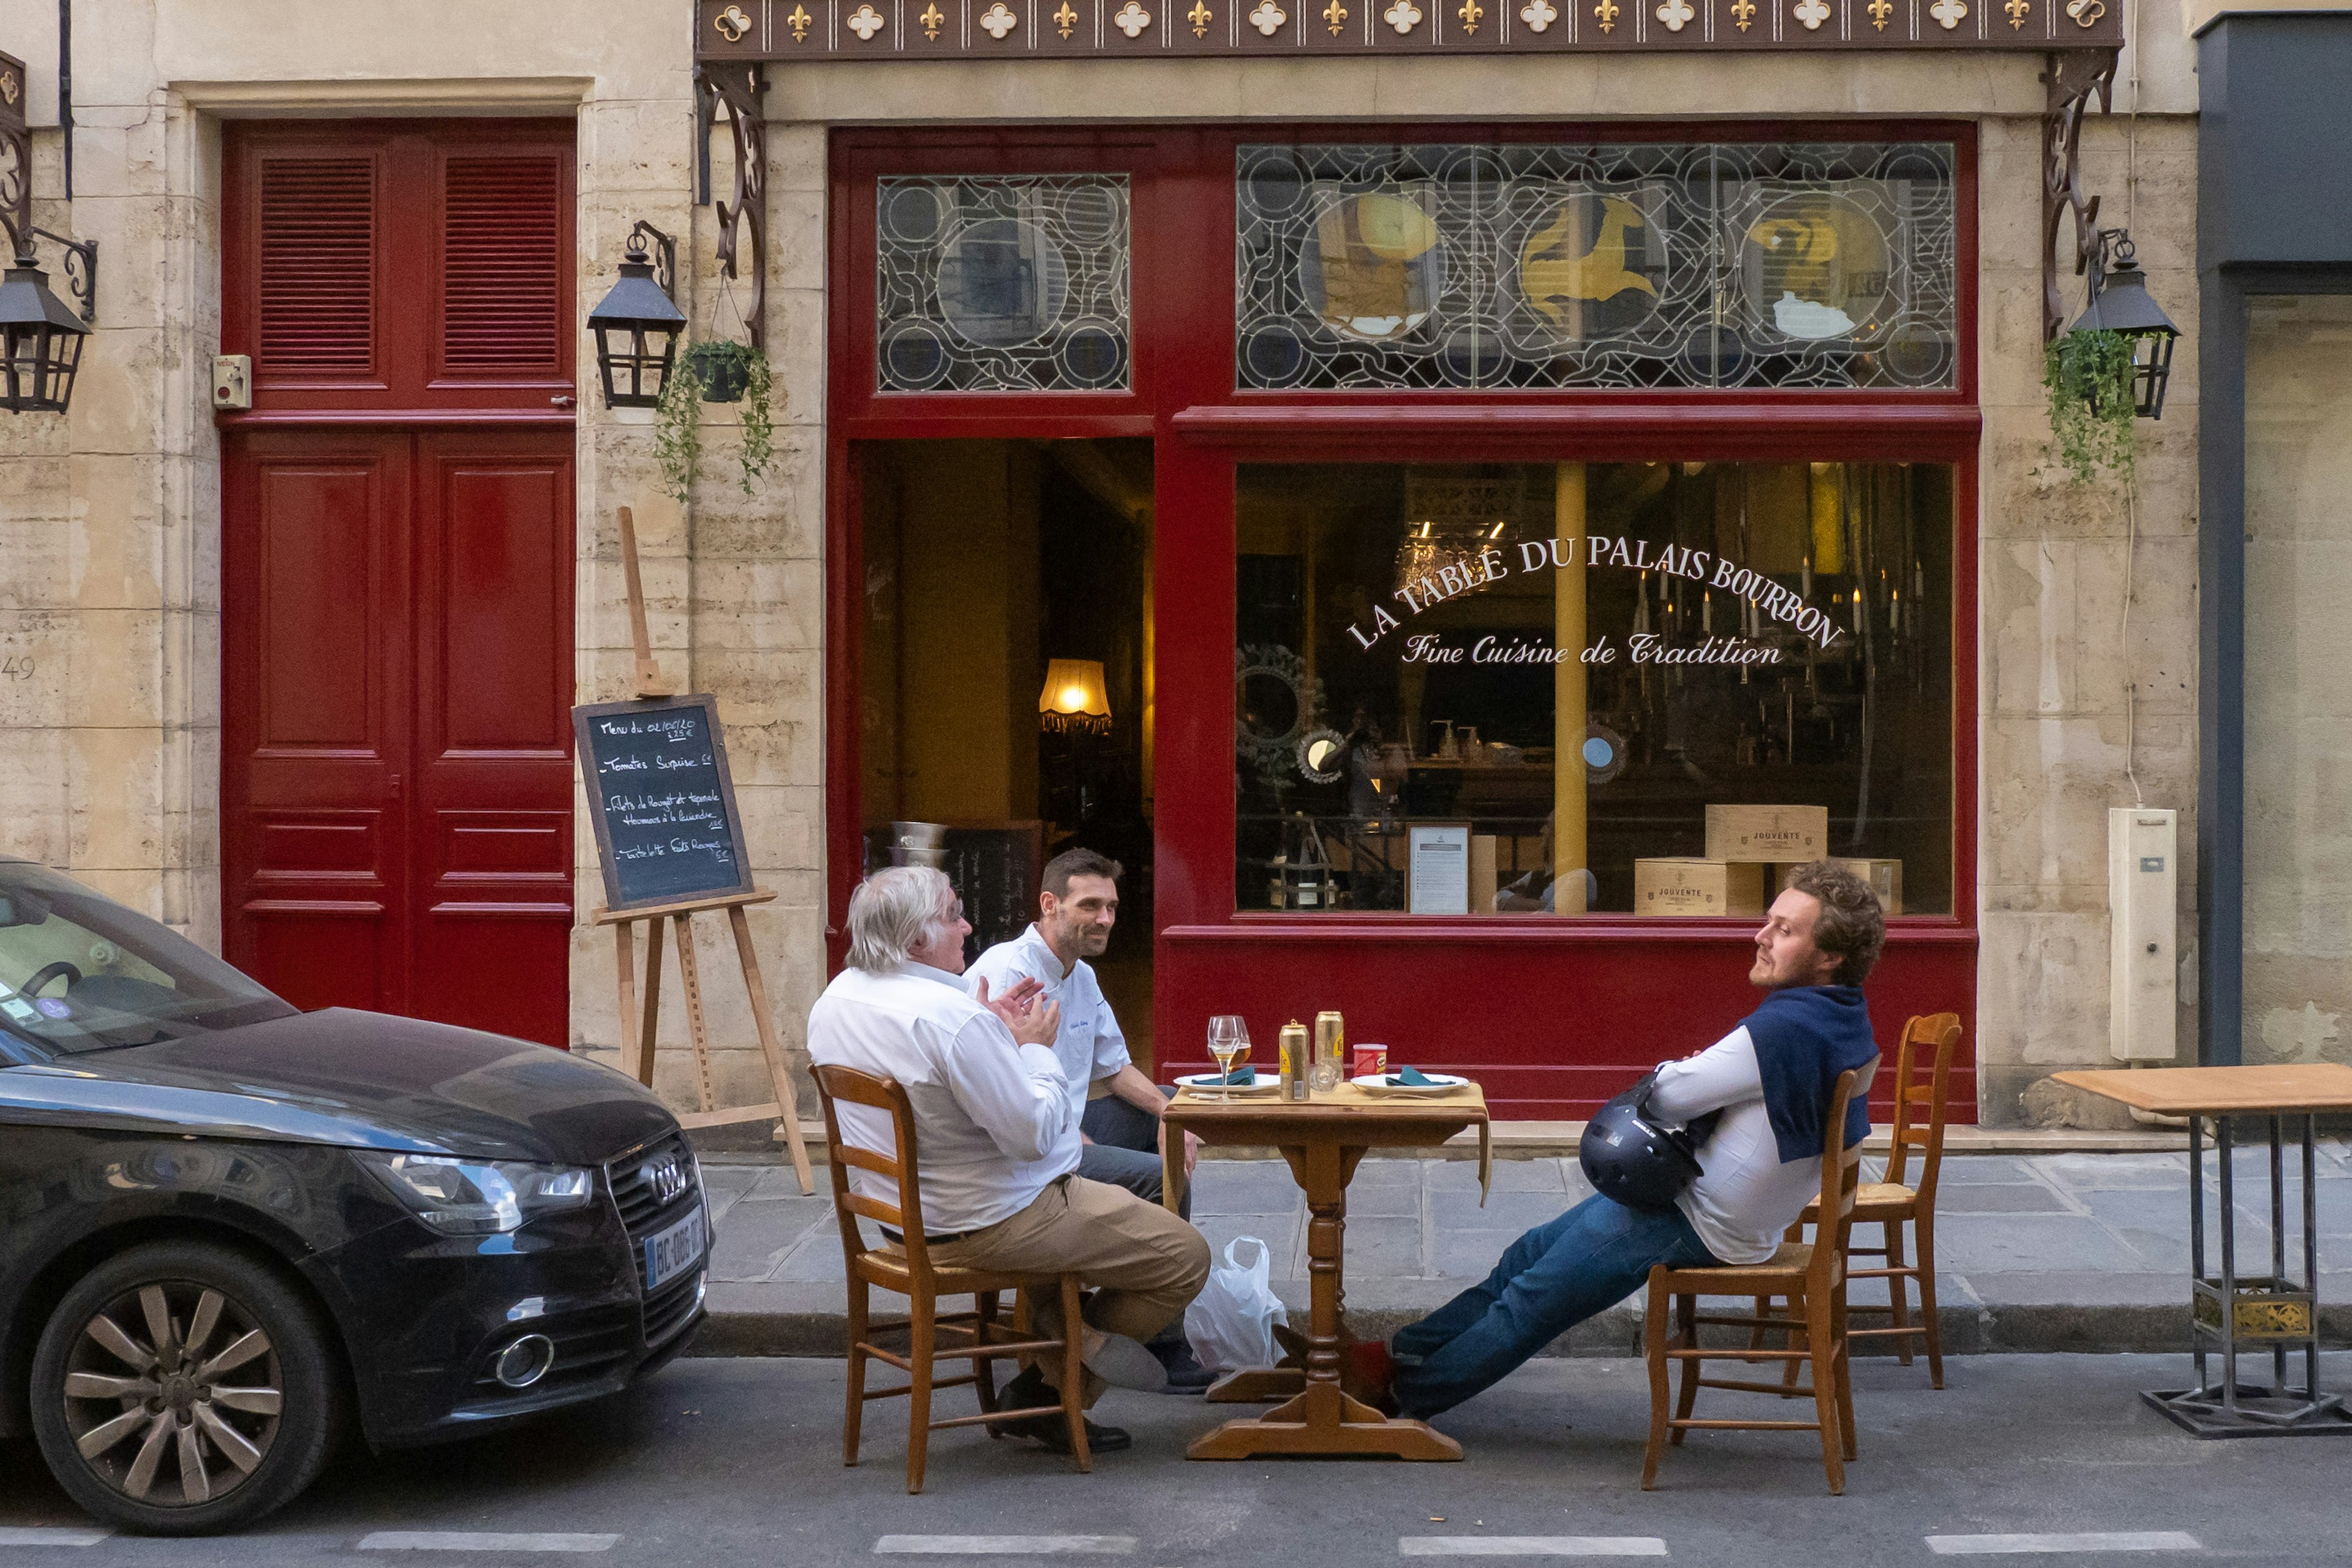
703 371
2087 375
759 425
723 368
677 428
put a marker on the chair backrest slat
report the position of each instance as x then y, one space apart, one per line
1841 1175
1929 1039
835 1084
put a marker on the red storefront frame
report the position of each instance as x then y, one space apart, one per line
1552 1016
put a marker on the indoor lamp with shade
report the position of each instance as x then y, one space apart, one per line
1074 697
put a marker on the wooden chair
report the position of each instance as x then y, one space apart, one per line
907 1270
1890 1203
1812 1275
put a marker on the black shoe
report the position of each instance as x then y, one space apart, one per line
1185 1373
1050 1431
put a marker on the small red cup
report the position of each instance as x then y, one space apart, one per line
1371 1061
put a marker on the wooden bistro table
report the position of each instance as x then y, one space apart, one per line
2232 1309
1323 1140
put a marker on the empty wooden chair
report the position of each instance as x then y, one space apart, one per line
1811 1275
905 1269
1891 1204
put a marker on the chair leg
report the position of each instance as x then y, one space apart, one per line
1653 1346
1686 1394
853 1418
923 1342
1845 1344
1763 1310
1898 1293
1926 1226
1822 1344
983 1368
1074 1372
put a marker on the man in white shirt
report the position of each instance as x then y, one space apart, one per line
1769 1078
998 1138
1120 1127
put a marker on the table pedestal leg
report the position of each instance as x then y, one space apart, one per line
1321 1419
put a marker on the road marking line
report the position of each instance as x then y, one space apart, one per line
2078 1541
1009 1545
50 1535
1530 1546
482 1541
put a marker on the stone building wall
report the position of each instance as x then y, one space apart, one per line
110 519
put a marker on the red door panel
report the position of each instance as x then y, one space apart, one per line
397 667
314 743
493 621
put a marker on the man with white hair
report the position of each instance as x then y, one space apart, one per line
998 1142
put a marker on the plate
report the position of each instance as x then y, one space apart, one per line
677 1249
1439 1083
1206 1083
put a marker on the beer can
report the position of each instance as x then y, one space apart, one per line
1295 1066
1371 1061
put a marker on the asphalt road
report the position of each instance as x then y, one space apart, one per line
737 1461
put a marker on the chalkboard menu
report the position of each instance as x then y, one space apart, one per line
662 801
997 869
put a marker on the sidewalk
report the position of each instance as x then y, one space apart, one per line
2076 1252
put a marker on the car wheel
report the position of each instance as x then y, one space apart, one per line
183 1389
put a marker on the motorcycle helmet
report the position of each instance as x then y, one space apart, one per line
1633 1160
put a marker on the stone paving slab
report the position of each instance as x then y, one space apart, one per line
2065 1251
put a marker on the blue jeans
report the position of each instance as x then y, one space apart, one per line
1551 1279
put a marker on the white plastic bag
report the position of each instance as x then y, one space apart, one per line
1231 1322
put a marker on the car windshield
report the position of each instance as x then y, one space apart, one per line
80 973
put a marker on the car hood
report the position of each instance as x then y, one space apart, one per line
364 1080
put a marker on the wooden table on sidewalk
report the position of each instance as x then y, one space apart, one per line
1323 1140
2270 1310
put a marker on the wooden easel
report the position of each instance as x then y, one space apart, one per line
639 1033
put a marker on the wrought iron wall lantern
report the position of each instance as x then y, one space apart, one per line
2120 303
638 323
40 335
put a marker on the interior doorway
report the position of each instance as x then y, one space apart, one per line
1007 667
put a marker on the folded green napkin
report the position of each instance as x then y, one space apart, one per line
1410 1078
1239 1077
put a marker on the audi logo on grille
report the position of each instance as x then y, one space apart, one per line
667 1176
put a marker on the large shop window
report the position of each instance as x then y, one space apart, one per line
2298 707
1671 265
1610 689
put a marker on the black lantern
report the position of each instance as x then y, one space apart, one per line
2120 303
40 342
40 335
638 325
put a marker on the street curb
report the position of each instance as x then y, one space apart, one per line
1995 1329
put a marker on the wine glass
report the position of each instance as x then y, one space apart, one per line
1229 1043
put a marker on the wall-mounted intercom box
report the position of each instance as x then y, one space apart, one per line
2143 933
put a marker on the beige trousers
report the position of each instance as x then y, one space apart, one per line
1143 1264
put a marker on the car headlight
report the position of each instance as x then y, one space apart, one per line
481 1198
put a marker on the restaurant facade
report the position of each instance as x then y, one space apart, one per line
1454 497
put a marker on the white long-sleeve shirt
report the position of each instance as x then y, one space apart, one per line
1091 1045
994 1119
1745 1197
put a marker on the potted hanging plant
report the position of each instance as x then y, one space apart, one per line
724 369
704 372
2087 373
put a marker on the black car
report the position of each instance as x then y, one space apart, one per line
230 1231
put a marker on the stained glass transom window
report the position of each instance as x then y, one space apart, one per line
1002 283
1686 265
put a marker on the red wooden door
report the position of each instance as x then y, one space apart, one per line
397 678
396 569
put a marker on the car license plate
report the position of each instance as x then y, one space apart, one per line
674 1250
